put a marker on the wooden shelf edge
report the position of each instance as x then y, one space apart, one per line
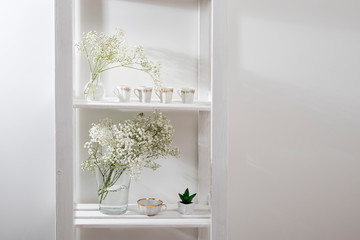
88 216
143 223
136 106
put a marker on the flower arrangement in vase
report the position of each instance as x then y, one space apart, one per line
104 52
118 152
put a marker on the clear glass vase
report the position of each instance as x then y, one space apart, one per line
94 90
113 191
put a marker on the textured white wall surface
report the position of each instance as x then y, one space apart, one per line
27 179
295 119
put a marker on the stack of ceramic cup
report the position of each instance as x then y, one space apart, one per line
165 94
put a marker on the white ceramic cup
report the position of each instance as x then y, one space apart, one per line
165 94
150 206
143 93
187 95
123 93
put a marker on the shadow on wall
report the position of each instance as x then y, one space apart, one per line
181 64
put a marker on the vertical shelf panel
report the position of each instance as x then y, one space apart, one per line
219 129
204 164
204 168
64 118
204 48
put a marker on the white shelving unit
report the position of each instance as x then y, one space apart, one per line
203 123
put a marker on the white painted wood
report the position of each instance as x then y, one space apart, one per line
204 162
88 215
92 211
173 214
204 118
133 207
63 119
143 223
219 149
137 106
204 48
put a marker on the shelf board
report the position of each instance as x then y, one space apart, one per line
88 216
137 106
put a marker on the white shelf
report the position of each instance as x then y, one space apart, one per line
88 216
137 106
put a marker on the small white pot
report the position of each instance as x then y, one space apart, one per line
186 209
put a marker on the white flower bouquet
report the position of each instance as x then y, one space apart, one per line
104 52
128 146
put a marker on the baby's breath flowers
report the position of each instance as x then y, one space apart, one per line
128 146
104 52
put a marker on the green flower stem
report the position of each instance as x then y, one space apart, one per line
98 68
94 76
110 180
127 66
87 57
103 188
91 86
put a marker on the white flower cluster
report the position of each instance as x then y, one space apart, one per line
131 145
104 52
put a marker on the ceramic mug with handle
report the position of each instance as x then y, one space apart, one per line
123 93
150 206
143 93
165 94
187 95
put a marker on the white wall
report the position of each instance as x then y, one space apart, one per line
295 119
27 179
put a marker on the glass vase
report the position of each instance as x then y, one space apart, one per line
94 89
113 191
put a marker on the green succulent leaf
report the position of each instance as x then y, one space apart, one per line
186 198
192 196
186 193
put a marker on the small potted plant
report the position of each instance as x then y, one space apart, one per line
186 205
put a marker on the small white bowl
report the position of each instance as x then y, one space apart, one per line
150 206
